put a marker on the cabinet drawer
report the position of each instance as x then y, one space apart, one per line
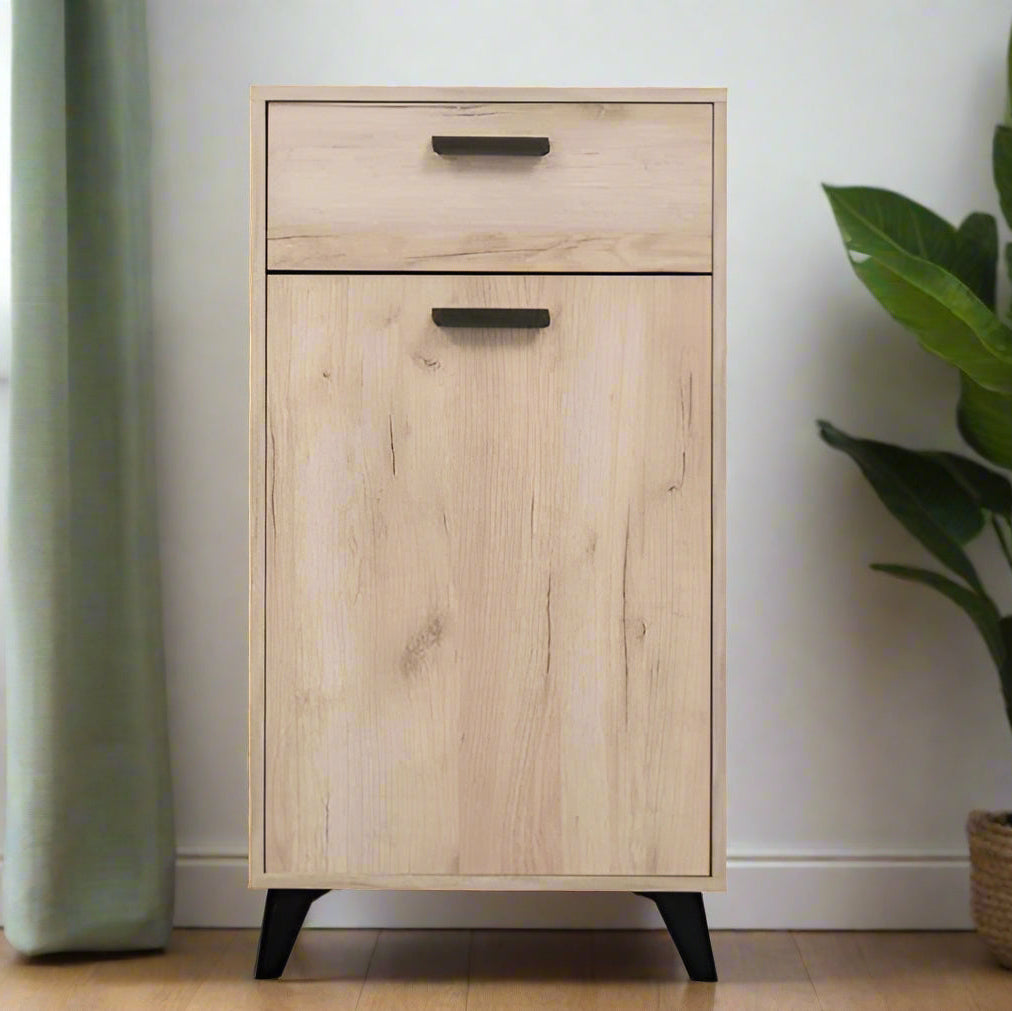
624 188
488 577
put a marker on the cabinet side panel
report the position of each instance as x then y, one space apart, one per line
719 629
257 464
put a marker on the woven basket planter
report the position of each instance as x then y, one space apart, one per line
990 834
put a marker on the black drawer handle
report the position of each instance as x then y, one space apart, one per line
530 146
516 319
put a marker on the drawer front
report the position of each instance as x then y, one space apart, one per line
624 188
488 577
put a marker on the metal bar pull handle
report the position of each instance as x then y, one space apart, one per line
514 319
530 146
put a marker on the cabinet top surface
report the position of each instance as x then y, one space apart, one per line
329 93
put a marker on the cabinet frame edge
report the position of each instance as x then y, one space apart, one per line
495 882
332 93
260 98
257 482
718 506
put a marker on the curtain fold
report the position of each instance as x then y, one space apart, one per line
89 854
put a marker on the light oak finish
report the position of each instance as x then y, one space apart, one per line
537 968
23 987
488 580
358 93
904 972
357 186
524 971
412 973
257 471
568 796
326 971
500 882
169 980
718 496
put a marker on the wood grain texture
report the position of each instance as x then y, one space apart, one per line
633 970
592 971
358 93
498 882
837 967
257 472
580 970
903 971
169 981
357 186
718 600
488 579
327 970
761 971
516 968
418 971
30 984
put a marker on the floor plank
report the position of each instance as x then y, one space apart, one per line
761 971
925 970
327 970
915 972
515 969
640 971
990 985
167 980
44 984
418 970
838 970
368 970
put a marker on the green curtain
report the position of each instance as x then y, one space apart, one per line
88 862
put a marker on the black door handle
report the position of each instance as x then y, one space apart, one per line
530 146
527 319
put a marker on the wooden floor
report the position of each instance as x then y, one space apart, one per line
512 970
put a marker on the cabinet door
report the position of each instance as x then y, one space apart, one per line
488 578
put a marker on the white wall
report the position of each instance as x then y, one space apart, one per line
5 360
864 718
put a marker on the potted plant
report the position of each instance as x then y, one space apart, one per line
938 280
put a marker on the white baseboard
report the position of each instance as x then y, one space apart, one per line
801 892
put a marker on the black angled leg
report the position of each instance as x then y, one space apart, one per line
685 917
284 913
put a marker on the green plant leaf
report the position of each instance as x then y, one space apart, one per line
1008 270
907 257
992 491
921 493
977 604
975 260
984 419
949 320
874 221
1001 164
